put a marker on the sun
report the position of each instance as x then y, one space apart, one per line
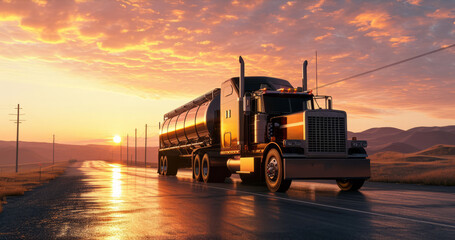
117 139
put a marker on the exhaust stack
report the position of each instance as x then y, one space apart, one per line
240 100
242 78
304 76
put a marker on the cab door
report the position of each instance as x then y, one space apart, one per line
229 118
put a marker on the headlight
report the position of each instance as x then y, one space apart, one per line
359 144
293 143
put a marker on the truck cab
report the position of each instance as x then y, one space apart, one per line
307 136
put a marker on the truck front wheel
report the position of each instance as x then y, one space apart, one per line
350 184
274 172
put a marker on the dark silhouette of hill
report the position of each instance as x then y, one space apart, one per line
8 156
412 140
375 133
379 140
42 152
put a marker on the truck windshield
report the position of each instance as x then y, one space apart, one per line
278 104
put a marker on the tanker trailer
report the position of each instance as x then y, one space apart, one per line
193 126
265 130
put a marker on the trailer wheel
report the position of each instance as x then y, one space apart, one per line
170 166
274 172
161 166
197 168
165 166
210 173
350 184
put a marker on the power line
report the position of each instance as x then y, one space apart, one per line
388 65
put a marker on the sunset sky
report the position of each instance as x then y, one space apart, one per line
87 70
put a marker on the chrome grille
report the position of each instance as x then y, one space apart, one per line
326 134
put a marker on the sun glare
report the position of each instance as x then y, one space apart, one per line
117 139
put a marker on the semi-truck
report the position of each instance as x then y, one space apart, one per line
265 130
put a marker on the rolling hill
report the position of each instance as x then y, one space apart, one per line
435 166
379 140
412 140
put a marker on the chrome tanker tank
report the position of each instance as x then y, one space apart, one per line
194 122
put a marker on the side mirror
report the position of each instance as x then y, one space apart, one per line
330 104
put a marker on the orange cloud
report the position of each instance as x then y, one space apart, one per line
287 5
371 20
322 36
442 13
403 39
145 48
271 46
316 7
414 2
381 27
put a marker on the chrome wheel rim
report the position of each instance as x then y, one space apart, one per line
272 169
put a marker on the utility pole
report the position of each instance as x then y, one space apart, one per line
17 121
53 149
127 137
135 146
121 157
17 138
145 151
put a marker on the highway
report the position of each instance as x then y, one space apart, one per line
101 200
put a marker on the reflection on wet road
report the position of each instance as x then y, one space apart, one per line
111 201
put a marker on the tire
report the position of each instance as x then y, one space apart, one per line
350 184
210 173
274 172
170 166
197 168
165 166
161 166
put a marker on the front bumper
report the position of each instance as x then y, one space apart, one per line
304 168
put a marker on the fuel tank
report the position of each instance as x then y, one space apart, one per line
194 122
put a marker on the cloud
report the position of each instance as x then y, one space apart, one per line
169 49
316 7
371 20
414 2
322 36
442 13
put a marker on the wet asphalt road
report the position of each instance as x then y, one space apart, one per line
99 200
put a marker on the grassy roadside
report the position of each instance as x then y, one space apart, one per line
15 184
434 166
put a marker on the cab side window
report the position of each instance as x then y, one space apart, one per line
227 90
